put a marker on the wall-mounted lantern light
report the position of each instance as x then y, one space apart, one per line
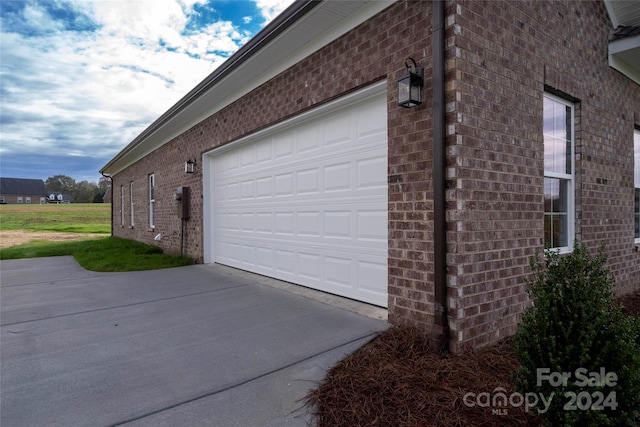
410 85
190 166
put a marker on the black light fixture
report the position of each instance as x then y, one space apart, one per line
410 85
190 166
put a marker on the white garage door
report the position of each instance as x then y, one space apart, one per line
306 201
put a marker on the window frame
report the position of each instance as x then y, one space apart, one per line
131 205
152 199
636 185
20 200
122 205
569 178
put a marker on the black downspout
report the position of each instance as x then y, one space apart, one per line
440 330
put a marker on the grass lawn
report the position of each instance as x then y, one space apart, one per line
96 254
103 254
73 217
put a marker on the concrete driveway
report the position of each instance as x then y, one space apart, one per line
190 346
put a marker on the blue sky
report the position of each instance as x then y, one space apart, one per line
79 79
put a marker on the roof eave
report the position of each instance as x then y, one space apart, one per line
624 56
623 12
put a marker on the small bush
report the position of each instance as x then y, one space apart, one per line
575 327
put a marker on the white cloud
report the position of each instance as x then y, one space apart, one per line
272 8
37 17
119 75
71 93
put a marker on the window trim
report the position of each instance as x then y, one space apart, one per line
122 205
152 199
570 178
636 185
131 205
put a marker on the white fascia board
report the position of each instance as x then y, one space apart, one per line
613 16
244 79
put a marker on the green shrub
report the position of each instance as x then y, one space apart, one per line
574 323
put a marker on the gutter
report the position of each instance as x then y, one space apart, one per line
440 329
276 27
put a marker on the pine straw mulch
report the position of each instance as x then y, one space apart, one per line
397 381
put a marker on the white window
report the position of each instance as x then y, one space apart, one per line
122 205
131 222
152 200
20 199
636 181
559 143
43 200
28 199
1 199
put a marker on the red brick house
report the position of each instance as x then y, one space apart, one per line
305 168
22 191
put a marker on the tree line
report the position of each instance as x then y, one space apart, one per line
81 192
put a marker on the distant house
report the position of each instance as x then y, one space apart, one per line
19 191
59 198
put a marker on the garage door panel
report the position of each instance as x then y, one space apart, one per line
338 272
308 181
285 262
371 275
309 224
308 204
309 266
372 226
283 145
334 222
372 172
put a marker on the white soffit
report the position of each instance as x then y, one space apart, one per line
623 12
624 53
317 28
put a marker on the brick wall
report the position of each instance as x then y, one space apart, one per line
502 57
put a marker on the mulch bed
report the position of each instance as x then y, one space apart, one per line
397 381
631 304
